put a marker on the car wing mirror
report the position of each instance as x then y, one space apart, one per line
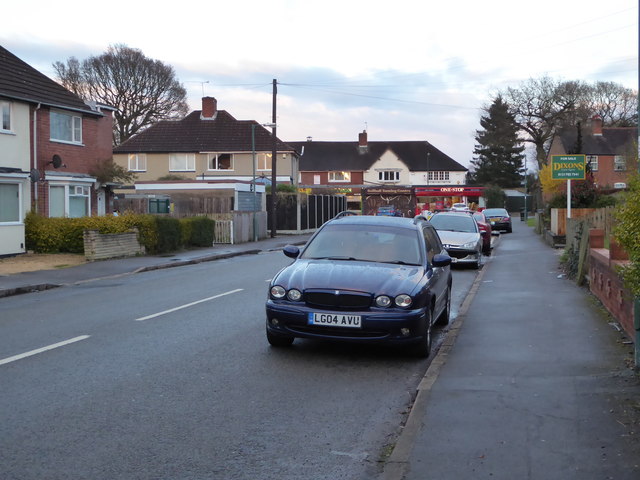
291 251
441 260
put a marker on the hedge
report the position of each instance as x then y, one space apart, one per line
157 234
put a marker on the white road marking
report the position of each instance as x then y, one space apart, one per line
43 349
188 305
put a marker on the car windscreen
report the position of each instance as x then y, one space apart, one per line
454 223
371 243
495 212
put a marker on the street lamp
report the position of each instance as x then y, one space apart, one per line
253 184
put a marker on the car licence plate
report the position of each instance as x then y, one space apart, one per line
335 320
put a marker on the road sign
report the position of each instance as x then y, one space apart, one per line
568 167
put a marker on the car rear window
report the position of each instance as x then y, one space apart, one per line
495 212
454 223
373 243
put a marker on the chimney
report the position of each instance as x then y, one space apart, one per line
363 146
209 108
596 125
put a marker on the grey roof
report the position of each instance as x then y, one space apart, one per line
193 134
347 156
20 81
613 141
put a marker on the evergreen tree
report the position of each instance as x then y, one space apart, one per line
499 152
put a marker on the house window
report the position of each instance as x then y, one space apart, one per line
339 176
69 201
182 162
9 202
619 163
138 162
264 161
65 127
316 179
442 176
5 116
592 160
389 175
220 161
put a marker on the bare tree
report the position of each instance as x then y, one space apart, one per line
142 90
539 106
543 106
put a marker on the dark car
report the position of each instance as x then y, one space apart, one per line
363 279
388 211
461 236
499 219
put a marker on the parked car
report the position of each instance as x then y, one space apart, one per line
459 207
460 235
388 211
364 279
485 226
499 219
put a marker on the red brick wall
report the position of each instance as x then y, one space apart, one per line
96 147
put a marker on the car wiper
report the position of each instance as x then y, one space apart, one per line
401 262
334 258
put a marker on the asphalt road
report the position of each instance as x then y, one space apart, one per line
168 375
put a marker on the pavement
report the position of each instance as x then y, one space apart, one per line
530 382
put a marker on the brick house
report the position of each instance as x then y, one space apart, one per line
350 167
50 142
610 151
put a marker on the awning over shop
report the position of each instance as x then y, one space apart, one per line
449 191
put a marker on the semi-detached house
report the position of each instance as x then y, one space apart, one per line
50 142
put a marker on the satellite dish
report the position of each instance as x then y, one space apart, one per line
35 175
56 161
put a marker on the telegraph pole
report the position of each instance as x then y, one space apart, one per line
274 159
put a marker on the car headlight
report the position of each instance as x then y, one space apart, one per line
294 295
470 245
277 291
403 301
383 301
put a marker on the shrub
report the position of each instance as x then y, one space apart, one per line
197 231
169 235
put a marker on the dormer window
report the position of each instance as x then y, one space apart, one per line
389 175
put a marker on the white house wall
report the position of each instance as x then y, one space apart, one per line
420 178
15 154
388 161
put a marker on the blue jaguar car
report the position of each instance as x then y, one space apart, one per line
367 279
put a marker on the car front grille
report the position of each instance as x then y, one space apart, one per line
337 299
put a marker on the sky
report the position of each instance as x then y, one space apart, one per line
401 69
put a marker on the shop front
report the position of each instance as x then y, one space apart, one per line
443 197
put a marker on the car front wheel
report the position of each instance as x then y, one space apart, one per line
422 349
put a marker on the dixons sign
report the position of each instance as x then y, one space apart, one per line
568 167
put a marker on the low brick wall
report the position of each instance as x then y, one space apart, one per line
99 246
605 282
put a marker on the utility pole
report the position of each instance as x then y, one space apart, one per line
274 160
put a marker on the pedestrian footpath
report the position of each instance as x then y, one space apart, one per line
530 384
45 279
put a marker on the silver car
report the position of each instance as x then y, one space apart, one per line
460 235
